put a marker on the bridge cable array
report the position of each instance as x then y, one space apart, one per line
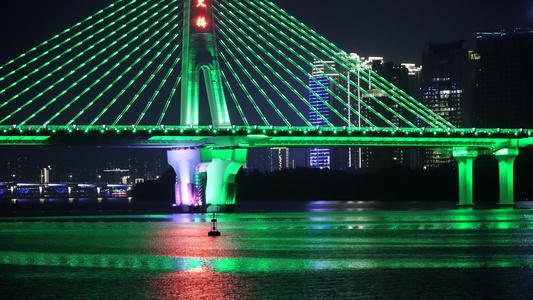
122 66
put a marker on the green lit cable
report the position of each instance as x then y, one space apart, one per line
144 86
262 75
289 71
310 64
411 102
62 33
169 99
378 114
50 87
281 13
254 82
344 77
167 58
253 42
140 72
234 98
172 93
49 62
170 70
87 74
244 89
319 83
335 71
118 78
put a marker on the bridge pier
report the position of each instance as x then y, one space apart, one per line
221 188
220 167
465 159
184 161
506 158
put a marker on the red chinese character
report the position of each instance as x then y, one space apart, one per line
201 22
201 3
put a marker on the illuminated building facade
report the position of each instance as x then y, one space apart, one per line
324 78
320 157
504 77
275 159
448 88
280 159
406 77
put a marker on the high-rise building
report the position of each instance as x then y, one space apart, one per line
326 85
448 88
504 78
323 87
405 77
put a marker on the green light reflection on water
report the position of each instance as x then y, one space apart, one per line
316 239
244 265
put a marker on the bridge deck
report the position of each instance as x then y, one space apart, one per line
263 136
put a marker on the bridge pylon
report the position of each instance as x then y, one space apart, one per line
205 177
200 54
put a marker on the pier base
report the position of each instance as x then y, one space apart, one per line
465 159
184 161
221 188
506 158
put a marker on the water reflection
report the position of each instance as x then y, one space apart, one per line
198 284
263 254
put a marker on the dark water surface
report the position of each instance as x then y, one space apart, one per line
333 250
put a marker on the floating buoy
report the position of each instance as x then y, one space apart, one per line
213 231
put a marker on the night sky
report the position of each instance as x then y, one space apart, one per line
397 30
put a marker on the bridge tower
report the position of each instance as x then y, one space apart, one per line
195 164
200 54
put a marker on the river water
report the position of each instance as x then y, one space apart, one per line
329 250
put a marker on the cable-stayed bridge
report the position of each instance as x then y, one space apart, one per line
211 78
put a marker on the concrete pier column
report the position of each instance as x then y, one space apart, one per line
221 172
506 158
184 161
465 159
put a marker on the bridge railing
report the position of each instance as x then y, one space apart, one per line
263 130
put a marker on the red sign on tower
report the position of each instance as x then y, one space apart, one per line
201 3
200 21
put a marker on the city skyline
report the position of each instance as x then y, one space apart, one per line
397 31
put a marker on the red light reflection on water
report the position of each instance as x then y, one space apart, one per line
191 242
198 284
200 281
